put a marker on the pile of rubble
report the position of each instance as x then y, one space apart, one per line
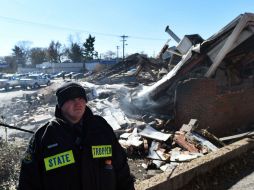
166 150
137 68
28 112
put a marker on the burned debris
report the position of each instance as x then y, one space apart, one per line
165 150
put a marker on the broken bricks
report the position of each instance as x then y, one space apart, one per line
165 151
181 140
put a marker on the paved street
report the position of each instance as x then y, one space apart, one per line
246 183
237 174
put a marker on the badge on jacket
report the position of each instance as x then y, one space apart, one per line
101 151
59 160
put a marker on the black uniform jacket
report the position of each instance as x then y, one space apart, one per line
63 157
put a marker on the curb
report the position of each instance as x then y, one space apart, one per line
184 173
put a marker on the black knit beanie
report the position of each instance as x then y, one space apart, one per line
68 91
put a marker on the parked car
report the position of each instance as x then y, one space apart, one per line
70 74
78 76
9 81
88 73
49 76
34 81
60 74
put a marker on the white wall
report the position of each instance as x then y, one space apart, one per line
57 67
91 66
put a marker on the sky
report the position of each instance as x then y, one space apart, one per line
38 22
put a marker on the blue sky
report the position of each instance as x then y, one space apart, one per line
144 21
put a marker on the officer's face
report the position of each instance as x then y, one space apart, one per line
74 109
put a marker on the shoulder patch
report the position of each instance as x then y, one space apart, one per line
28 156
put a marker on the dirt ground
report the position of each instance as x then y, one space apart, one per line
139 172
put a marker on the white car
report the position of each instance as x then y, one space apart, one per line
34 81
8 81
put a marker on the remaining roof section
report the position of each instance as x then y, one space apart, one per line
242 28
207 56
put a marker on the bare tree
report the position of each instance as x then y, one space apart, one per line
109 55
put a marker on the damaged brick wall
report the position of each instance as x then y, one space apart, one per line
221 113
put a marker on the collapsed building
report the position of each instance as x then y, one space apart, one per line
207 80
213 82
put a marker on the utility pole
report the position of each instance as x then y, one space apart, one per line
123 40
117 48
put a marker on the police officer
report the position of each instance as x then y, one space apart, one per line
75 151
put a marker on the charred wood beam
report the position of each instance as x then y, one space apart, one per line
152 74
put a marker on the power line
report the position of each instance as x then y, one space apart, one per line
146 38
15 20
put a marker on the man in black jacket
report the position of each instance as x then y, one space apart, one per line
75 151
